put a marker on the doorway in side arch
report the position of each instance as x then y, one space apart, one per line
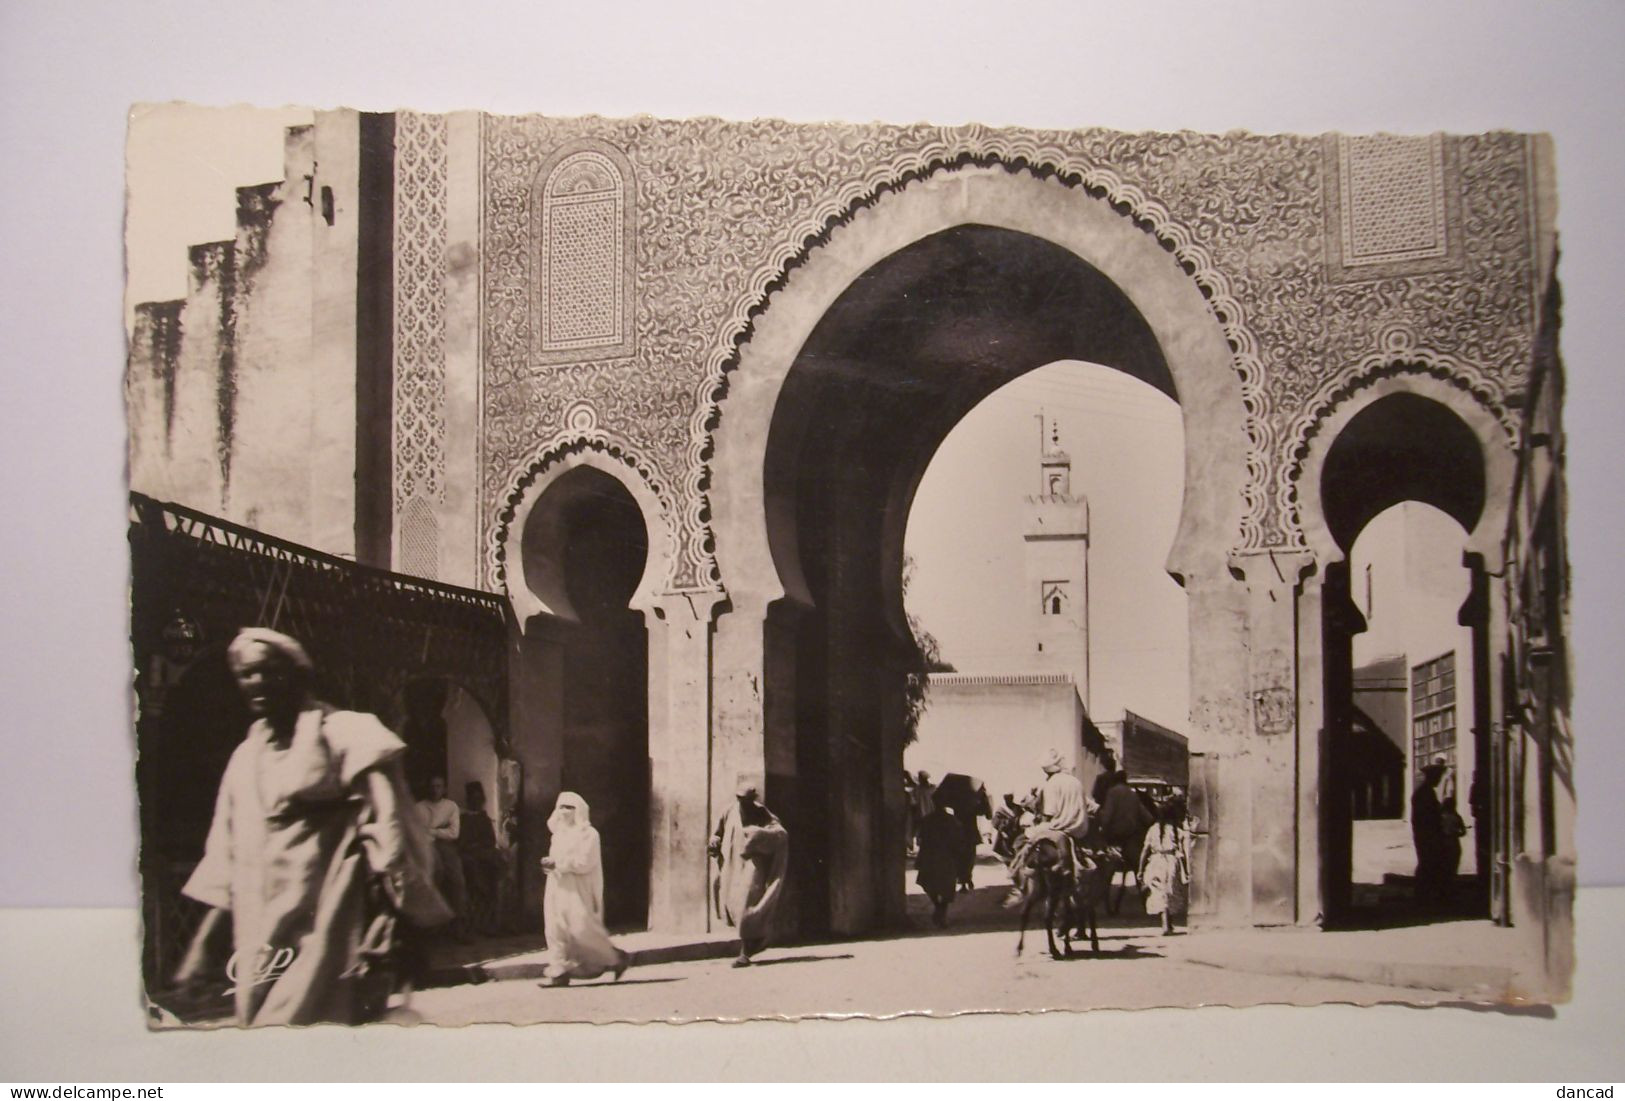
587 730
1405 810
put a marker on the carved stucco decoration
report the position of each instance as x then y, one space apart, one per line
581 431
1398 352
725 209
419 391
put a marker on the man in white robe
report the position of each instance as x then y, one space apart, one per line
1063 805
578 945
311 812
1061 813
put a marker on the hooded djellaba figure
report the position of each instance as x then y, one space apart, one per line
315 858
578 945
753 851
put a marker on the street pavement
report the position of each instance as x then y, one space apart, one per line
942 973
970 967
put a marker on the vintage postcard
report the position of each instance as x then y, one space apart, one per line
595 569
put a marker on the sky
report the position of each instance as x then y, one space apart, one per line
1417 584
183 165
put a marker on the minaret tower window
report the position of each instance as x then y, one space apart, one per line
1055 597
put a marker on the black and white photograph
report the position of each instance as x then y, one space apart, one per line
734 545
592 569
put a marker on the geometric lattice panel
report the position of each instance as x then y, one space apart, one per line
1393 198
581 263
1391 206
418 542
582 222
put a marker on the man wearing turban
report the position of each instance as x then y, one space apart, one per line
313 854
1062 803
1062 813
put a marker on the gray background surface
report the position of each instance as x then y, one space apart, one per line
69 72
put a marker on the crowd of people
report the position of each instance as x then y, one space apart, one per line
321 877
1147 835
468 863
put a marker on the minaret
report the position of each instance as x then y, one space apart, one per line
1057 544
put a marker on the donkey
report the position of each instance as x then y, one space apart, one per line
1070 902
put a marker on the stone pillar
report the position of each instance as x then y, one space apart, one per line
1221 893
679 759
755 734
855 645
1508 752
1313 747
892 862
1272 756
740 735
536 735
1475 613
1331 669
780 747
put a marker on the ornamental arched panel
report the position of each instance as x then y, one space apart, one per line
583 255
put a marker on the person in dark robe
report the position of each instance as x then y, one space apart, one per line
482 863
1103 783
911 825
981 807
1451 830
941 839
967 797
1427 833
924 802
1123 818
1121 828
753 851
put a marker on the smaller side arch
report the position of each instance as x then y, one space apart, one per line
531 596
1321 430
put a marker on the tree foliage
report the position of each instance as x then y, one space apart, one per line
925 659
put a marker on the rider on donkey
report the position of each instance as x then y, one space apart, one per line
1062 813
